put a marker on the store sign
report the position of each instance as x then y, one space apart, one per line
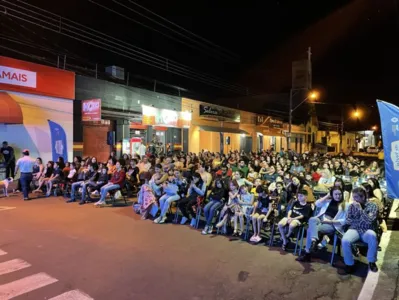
215 112
269 122
165 117
91 110
26 77
219 113
16 76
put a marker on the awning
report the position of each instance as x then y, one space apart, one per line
10 112
222 129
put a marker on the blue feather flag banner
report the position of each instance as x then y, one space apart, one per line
58 141
389 114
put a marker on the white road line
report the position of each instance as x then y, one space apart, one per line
73 295
12 266
2 252
371 281
25 285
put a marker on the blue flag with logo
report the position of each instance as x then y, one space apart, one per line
58 141
389 114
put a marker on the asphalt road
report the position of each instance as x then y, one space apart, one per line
109 253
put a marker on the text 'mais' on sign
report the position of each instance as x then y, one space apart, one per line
16 76
215 112
26 77
91 110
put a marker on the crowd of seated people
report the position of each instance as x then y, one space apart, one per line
254 190
328 194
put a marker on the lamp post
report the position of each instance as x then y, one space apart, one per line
312 95
356 114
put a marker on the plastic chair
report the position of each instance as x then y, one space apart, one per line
199 208
248 222
299 238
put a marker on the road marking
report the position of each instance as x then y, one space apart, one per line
25 285
12 266
2 252
6 208
371 281
72 295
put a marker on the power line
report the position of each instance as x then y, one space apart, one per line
60 25
177 32
184 29
196 45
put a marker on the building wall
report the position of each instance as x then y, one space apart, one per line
119 98
95 141
333 139
34 133
210 141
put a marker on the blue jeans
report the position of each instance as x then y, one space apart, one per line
165 202
316 227
26 179
106 188
352 236
77 185
209 210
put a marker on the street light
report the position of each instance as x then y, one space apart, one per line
312 95
374 128
356 114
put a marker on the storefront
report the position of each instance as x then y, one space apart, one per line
215 128
121 117
267 132
36 109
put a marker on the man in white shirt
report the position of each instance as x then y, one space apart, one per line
142 149
25 166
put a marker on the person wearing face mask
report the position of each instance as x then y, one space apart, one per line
116 182
299 213
362 220
331 217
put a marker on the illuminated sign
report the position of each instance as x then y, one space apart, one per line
16 76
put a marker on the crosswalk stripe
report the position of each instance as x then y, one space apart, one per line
2 252
12 266
73 295
25 285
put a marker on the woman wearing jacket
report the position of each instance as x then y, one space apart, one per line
171 194
331 217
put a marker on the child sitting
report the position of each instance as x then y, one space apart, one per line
299 213
261 207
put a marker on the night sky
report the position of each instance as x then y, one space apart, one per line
246 48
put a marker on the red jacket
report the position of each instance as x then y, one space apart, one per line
118 178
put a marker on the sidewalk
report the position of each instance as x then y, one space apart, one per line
388 281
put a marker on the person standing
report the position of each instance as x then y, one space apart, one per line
25 166
9 157
142 149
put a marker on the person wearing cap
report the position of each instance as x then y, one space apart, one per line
9 157
299 213
25 166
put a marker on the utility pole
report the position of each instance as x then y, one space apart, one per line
341 131
292 90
